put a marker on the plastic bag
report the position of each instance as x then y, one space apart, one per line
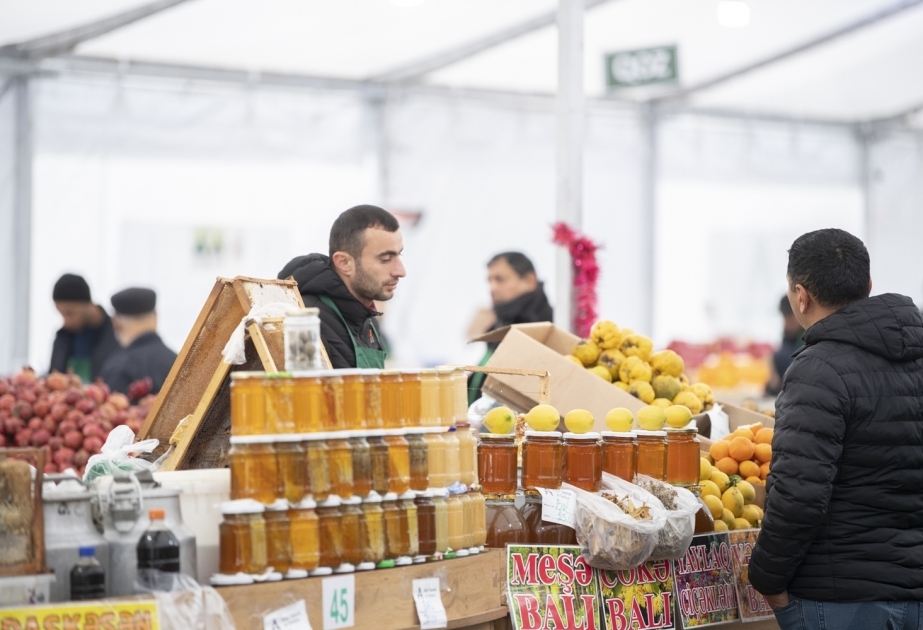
234 350
117 454
673 540
610 538
184 603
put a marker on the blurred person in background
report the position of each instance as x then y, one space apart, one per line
791 341
518 298
841 545
144 362
87 338
364 266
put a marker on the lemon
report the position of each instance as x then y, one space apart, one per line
678 416
721 480
709 487
704 469
751 514
500 420
602 372
543 418
714 506
741 523
620 419
578 421
721 526
574 359
747 490
651 418
733 500
728 517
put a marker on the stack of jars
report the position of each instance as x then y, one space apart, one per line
355 469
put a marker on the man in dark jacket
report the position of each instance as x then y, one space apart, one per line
364 265
842 541
145 361
87 338
518 298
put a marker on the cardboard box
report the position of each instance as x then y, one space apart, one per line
737 417
544 346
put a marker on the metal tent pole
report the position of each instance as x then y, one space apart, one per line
22 220
648 221
571 111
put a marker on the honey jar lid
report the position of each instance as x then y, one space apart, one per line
618 434
373 497
497 436
288 437
353 500
390 372
252 439
644 433
370 371
313 437
279 505
687 429
242 506
332 501
410 494
531 433
349 372
390 496
306 503
592 435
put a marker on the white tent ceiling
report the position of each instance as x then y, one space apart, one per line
868 73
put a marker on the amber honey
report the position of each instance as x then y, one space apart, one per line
304 535
248 404
704 521
620 454
652 454
278 537
371 380
682 466
426 520
350 517
456 522
497 462
280 414
419 461
330 533
392 407
411 397
447 411
441 509
467 454
452 457
308 405
340 467
460 386
430 411
542 460
317 478
410 524
254 469
371 530
391 517
545 532
583 460
468 514
504 524
293 469
435 459
333 418
480 517
362 466
242 538
381 467
398 464
353 399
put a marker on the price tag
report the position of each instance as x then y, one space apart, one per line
559 506
339 607
292 617
428 598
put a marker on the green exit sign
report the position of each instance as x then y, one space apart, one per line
631 68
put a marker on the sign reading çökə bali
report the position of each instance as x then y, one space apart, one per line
639 598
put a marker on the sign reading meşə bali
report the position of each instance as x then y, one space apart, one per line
706 587
551 588
639 598
753 606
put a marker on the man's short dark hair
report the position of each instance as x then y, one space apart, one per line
832 264
347 233
517 260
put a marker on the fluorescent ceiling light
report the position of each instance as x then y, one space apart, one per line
732 13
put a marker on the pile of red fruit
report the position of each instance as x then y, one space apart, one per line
58 412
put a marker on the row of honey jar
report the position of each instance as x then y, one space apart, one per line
548 458
346 400
268 468
345 535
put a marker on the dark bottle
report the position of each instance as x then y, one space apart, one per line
158 554
88 578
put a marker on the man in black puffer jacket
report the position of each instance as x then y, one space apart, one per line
364 266
842 539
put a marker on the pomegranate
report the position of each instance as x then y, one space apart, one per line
59 410
73 395
22 409
55 442
85 405
74 416
96 393
7 401
50 468
81 458
4 386
41 408
35 424
120 401
64 456
2 440
28 395
23 437
74 439
26 377
56 382
12 426
93 444
66 427
41 437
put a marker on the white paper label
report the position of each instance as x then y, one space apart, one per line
339 608
292 617
559 506
428 597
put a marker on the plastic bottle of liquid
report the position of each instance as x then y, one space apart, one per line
158 554
88 578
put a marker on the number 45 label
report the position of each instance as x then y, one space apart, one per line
339 595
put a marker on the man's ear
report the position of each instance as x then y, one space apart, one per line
870 286
804 299
531 280
344 263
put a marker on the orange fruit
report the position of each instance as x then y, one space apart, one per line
754 480
764 471
718 450
727 465
749 469
742 432
756 427
763 453
741 449
763 436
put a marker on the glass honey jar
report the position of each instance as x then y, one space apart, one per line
410 523
330 536
362 465
460 385
280 414
350 519
480 517
426 520
317 468
371 532
308 402
620 454
248 404
469 516
381 467
371 381
652 454
545 532
542 460
391 517
293 469
504 524
467 454
419 461
333 418
435 459
441 510
682 468
340 467
353 400
452 457
242 538
411 397
430 411
278 537
398 463
456 523
254 469
392 407
446 397
583 460
497 463
302 519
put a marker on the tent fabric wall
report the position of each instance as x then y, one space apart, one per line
7 227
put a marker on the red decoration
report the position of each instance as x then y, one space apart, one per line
586 273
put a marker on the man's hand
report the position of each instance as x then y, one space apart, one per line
777 601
